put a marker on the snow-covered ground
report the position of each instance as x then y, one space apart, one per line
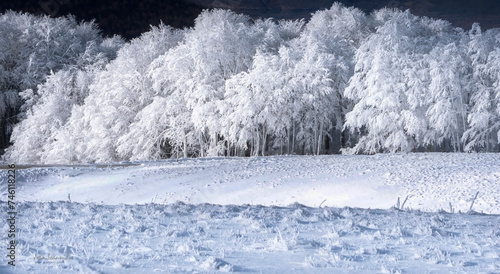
302 214
182 238
430 181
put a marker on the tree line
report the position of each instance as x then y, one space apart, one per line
344 81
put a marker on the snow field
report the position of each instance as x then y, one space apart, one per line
431 181
183 238
288 214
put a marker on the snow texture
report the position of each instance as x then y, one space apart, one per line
182 238
263 214
431 181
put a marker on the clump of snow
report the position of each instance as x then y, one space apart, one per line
212 263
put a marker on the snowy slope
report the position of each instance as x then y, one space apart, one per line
260 215
431 181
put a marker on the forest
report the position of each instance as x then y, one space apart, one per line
341 82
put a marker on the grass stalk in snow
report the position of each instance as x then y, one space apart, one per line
473 200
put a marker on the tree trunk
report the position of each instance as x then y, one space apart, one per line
185 146
281 146
319 137
264 139
288 143
257 144
202 148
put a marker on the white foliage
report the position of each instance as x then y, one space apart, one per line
34 136
483 118
193 74
40 137
229 86
398 77
447 111
118 94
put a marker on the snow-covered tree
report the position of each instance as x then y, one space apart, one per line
271 35
320 77
9 98
44 119
116 95
482 119
391 86
34 47
221 44
448 96
257 105
494 71
41 136
40 45
391 81
291 96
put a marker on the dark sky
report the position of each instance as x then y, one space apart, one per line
130 18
